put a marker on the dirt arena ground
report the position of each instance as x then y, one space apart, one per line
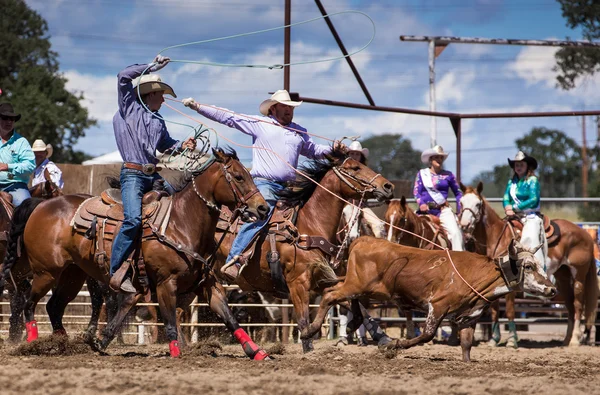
70 368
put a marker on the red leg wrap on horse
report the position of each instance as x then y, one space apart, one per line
32 331
250 348
174 349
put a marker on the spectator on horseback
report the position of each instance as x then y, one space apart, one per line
360 154
139 133
431 190
43 152
16 157
522 199
273 132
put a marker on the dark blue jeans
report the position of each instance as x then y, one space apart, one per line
134 184
250 229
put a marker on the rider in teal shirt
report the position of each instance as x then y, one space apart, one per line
526 194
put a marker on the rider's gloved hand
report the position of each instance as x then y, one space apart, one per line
159 62
339 146
189 102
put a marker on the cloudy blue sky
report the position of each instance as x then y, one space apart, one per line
95 39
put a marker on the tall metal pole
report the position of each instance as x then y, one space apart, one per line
584 167
432 121
286 44
285 331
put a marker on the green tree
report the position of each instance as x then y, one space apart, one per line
573 63
30 80
494 181
393 156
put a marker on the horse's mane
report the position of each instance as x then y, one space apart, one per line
303 187
187 176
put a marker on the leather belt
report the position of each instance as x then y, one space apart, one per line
148 168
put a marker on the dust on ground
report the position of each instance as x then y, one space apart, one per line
209 367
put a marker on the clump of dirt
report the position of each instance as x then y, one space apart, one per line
52 346
390 352
209 347
276 349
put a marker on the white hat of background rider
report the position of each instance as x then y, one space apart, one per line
434 151
39 145
357 146
281 96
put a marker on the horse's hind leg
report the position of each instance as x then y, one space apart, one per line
563 284
373 327
97 299
166 294
513 339
217 300
114 325
41 284
18 298
69 285
495 318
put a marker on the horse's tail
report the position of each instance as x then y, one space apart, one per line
591 294
17 227
113 182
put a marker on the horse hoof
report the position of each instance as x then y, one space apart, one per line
512 343
262 355
493 343
342 342
307 345
174 349
60 332
385 342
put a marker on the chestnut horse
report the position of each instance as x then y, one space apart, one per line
60 257
459 288
572 263
305 269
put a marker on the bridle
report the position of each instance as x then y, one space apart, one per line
345 176
240 198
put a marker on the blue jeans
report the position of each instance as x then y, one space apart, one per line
250 229
18 191
134 184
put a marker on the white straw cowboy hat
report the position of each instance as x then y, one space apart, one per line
281 96
357 146
435 151
521 156
39 145
152 83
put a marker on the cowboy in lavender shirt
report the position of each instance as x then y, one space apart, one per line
139 134
270 173
432 186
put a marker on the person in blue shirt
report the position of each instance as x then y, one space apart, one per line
17 160
522 199
139 134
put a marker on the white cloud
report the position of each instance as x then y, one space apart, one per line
101 105
534 65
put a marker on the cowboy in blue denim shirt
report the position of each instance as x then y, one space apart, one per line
17 160
139 134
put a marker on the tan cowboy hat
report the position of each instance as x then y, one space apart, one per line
521 156
357 147
39 145
281 96
434 151
152 83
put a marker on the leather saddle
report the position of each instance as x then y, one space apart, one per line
440 235
550 228
99 219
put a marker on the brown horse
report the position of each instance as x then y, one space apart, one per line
572 263
47 189
306 269
400 215
177 265
428 281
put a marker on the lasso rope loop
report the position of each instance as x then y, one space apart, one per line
274 66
